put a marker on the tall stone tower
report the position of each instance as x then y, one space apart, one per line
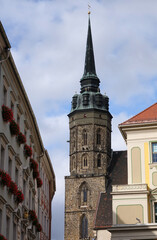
90 151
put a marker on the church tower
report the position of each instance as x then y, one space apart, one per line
90 151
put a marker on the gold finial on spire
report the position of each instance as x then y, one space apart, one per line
89 7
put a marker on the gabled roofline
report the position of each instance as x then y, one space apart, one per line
2 31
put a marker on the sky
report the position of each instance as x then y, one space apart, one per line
48 39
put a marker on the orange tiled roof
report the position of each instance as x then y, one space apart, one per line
146 116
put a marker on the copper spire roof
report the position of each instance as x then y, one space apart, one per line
89 80
147 116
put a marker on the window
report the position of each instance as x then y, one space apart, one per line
85 161
0 220
84 227
24 189
14 231
30 199
7 227
18 119
155 209
12 106
99 160
85 194
84 137
2 157
10 167
16 175
4 96
98 137
154 152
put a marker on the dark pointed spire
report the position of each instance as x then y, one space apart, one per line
89 80
89 59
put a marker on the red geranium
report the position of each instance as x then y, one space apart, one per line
2 237
19 196
5 178
33 164
39 182
14 128
13 188
35 174
21 138
32 215
28 150
7 114
39 227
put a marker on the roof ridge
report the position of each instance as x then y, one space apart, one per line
129 120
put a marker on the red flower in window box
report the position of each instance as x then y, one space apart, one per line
33 164
13 188
32 215
21 138
7 114
14 128
35 174
35 222
39 182
2 237
19 196
5 178
28 150
39 227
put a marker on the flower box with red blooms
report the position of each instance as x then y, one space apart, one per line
35 174
19 196
7 114
33 164
5 178
39 227
2 237
13 188
28 150
21 138
32 215
14 128
39 182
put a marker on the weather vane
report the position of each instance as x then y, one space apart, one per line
89 7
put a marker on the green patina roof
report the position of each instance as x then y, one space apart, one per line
90 96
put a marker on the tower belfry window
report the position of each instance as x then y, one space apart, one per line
84 227
85 161
99 160
98 137
84 137
85 194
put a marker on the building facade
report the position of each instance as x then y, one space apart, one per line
139 197
90 151
27 179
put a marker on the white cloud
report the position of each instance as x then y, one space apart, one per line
48 44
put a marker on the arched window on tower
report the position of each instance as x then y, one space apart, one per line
85 161
98 137
99 160
85 194
84 227
84 137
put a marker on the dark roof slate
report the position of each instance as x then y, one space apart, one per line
117 174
